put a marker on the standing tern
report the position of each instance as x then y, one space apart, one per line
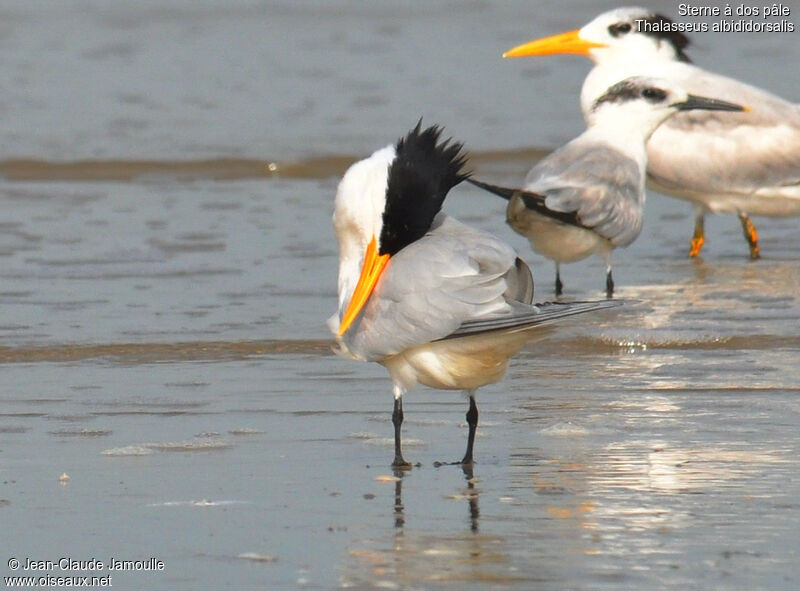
588 196
743 163
429 298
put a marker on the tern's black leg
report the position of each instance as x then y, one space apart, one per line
472 423
609 284
472 496
559 285
399 518
397 421
750 234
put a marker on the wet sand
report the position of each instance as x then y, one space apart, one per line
169 264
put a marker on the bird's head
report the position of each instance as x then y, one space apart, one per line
643 103
623 33
386 202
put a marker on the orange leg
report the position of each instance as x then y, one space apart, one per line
750 235
699 237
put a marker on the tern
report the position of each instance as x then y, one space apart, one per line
431 299
587 197
743 163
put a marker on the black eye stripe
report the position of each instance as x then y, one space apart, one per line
618 29
631 89
654 95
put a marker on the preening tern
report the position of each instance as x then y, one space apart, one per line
431 299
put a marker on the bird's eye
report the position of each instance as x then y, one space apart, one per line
619 29
654 95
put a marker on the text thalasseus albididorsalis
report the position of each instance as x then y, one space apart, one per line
743 163
431 299
587 197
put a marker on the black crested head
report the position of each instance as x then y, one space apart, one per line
420 177
663 28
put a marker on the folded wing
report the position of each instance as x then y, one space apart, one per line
599 185
453 276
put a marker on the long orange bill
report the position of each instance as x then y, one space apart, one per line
568 42
371 271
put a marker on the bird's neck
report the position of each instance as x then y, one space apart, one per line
625 134
351 257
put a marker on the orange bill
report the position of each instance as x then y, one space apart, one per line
568 42
370 273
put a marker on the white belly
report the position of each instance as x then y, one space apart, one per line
464 363
738 170
556 240
771 201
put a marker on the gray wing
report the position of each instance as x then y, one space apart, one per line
525 317
716 152
452 276
602 186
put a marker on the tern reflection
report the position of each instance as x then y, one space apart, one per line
470 494
424 547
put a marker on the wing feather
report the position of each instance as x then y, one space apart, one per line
454 274
600 185
525 317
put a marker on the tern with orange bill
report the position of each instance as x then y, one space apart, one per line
433 300
742 163
588 196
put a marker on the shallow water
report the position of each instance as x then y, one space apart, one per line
168 266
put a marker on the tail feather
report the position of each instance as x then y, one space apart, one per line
533 201
503 192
